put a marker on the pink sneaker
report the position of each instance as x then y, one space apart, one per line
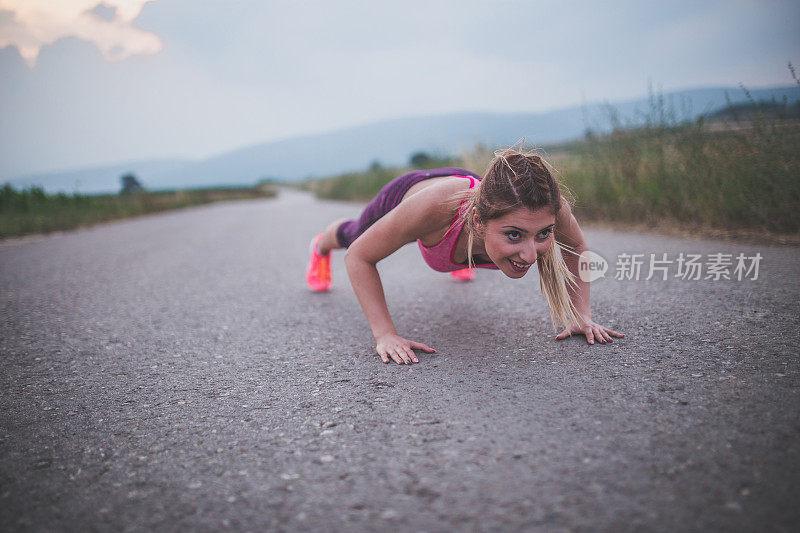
465 274
318 275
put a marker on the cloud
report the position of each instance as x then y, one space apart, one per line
30 24
104 11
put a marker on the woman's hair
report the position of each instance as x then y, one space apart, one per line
518 179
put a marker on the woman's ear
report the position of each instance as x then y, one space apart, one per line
476 219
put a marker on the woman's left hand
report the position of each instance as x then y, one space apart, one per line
592 330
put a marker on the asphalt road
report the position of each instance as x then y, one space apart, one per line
173 373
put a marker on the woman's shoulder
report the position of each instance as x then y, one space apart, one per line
438 202
440 188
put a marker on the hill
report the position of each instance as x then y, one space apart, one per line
391 142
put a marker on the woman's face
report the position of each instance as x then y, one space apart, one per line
514 241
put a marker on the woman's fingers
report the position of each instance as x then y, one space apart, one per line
422 346
385 354
597 331
395 357
411 354
593 332
402 357
402 352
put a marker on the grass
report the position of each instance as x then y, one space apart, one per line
363 186
31 210
736 171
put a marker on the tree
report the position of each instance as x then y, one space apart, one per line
130 184
419 160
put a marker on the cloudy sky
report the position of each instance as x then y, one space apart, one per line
85 83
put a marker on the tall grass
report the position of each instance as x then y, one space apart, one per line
33 211
734 170
737 170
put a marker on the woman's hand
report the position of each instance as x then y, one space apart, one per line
592 330
399 349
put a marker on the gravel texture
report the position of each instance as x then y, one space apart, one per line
172 373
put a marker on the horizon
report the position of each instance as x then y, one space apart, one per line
344 128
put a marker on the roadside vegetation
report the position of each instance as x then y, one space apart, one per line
31 210
736 171
362 186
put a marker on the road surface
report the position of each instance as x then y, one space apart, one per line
172 372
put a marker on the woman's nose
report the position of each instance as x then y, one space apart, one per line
528 254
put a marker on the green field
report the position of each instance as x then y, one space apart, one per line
30 210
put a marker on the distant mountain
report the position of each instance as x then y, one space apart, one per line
104 178
392 141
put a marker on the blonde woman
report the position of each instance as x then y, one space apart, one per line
511 219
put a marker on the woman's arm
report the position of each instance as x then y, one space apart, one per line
569 233
415 217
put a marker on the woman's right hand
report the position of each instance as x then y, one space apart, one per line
399 349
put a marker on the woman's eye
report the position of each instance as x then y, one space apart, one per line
545 233
513 235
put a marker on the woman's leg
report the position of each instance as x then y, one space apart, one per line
328 241
342 233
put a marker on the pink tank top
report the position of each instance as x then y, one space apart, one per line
440 256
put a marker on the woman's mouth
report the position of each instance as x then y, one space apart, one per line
519 267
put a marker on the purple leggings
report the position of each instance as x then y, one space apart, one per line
388 198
